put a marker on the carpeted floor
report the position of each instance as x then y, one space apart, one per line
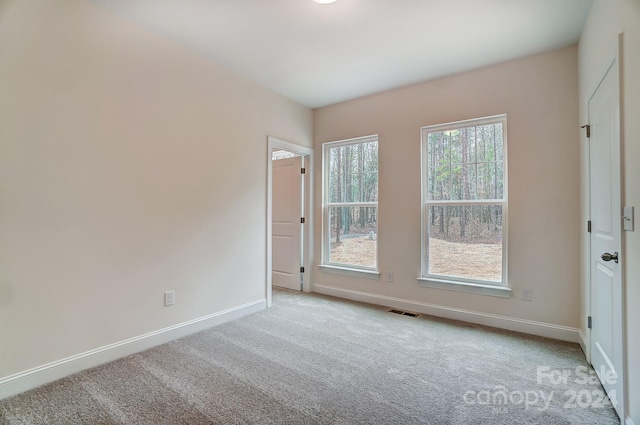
313 359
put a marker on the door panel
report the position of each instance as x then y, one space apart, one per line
606 216
287 210
285 247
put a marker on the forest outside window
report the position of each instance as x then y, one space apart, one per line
350 204
464 203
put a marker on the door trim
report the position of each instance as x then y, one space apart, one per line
613 58
273 143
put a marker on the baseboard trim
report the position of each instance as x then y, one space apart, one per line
548 330
32 378
628 421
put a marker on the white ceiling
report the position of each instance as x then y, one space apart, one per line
321 54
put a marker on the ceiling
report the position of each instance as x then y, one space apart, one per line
321 54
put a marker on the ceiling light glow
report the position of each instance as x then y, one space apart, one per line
324 1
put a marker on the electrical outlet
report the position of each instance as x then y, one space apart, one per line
527 294
169 298
389 276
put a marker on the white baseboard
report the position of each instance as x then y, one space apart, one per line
548 330
628 421
32 378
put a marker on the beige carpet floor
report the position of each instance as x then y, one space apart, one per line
312 359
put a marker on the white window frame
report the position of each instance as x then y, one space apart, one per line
462 284
326 265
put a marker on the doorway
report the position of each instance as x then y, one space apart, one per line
606 291
289 216
287 209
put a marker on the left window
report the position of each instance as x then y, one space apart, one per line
350 203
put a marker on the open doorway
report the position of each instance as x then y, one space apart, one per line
289 216
287 209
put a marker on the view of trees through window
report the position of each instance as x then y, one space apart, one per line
465 201
351 203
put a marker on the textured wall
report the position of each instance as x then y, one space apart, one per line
129 166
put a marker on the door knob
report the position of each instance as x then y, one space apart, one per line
608 257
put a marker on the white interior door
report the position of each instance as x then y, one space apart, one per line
287 229
606 343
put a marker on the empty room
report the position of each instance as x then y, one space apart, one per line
322 212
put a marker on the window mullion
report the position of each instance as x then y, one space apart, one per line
466 202
352 204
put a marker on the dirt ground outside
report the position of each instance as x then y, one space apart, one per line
473 260
479 261
359 251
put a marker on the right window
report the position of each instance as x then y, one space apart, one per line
464 202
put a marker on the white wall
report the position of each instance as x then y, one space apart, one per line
606 20
129 166
540 96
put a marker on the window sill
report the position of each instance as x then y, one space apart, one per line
347 271
472 288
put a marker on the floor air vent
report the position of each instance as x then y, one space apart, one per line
404 313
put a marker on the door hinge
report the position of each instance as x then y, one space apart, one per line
589 322
588 127
301 269
589 226
303 171
302 220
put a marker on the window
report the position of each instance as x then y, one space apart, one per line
350 203
464 203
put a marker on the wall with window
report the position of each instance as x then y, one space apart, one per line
539 96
